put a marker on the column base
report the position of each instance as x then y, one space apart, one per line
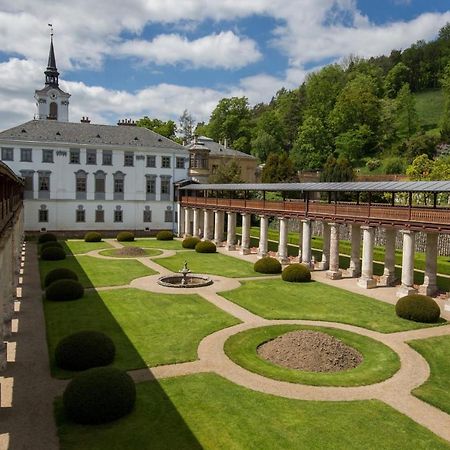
308 264
353 273
262 254
387 280
334 274
230 247
405 290
218 243
323 265
283 259
428 289
367 283
244 251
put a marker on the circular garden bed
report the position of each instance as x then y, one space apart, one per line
131 252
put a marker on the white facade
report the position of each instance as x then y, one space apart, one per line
52 103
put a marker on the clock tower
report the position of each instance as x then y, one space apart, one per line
52 103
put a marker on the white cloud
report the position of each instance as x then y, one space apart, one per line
223 50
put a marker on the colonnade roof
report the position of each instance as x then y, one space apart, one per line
369 186
5 170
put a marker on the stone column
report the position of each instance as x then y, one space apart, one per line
367 281
388 278
196 231
354 269
263 227
245 244
231 231
334 273
282 244
187 222
407 286
300 240
306 243
218 227
429 286
207 225
180 224
325 263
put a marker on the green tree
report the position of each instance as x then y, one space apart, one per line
420 169
264 144
166 129
279 169
229 172
201 129
352 143
441 169
407 119
337 170
395 79
445 120
186 128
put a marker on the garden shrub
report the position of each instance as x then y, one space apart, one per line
99 395
419 308
50 244
84 350
190 242
53 254
64 290
205 247
267 265
296 273
59 274
164 235
46 237
125 236
92 236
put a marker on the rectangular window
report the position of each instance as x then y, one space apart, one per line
25 154
80 215
28 183
100 185
91 156
118 186
44 183
147 216
151 185
43 215
74 156
81 184
47 156
165 185
151 161
99 215
168 215
7 154
165 162
107 158
180 163
118 216
128 159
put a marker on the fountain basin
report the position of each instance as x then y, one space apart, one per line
185 281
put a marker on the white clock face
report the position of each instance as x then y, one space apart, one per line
53 95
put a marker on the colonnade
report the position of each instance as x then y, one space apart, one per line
209 225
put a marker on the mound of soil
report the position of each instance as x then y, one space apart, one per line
310 351
130 251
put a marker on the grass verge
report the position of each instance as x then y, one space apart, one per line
78 246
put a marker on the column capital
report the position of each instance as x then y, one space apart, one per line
306 220
408 231
367 227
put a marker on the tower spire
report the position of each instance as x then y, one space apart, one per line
51 74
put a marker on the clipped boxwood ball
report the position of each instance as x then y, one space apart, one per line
164 235
99 395
419 308
267 264
59 274
92 236
84 350
296 273
64 290
46 237
190 242
50 244
53 254
205 247
125 236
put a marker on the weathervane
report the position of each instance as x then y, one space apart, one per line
51 29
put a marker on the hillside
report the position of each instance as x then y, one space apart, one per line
429 105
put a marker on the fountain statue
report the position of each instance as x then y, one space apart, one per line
185 280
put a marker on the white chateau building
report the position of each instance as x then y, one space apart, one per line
82 176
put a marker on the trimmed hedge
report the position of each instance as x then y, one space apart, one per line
64 290
92 236
190 242
99 395
53 254
419 308
267 264
205 247
164 235
296 273
59 274
50 244
84 350
125 236
46 237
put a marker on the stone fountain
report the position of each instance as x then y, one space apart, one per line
186 279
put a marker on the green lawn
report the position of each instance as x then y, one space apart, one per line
148 329
276 299
435 390
113 252
210 263
379 362
207 412
78 246
99 272
154 243
429 106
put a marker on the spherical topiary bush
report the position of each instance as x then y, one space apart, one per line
84 350
99 395
267 265
46 237
296 273
92 236
205 247
164 235
190 242
53 254
419 308
59 274
50 244
125 236
64 290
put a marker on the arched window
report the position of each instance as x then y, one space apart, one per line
53 111
100 184
80 184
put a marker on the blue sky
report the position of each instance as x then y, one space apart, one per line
158 57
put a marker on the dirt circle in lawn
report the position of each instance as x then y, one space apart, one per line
311 351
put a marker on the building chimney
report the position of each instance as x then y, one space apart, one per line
85 120
126 123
